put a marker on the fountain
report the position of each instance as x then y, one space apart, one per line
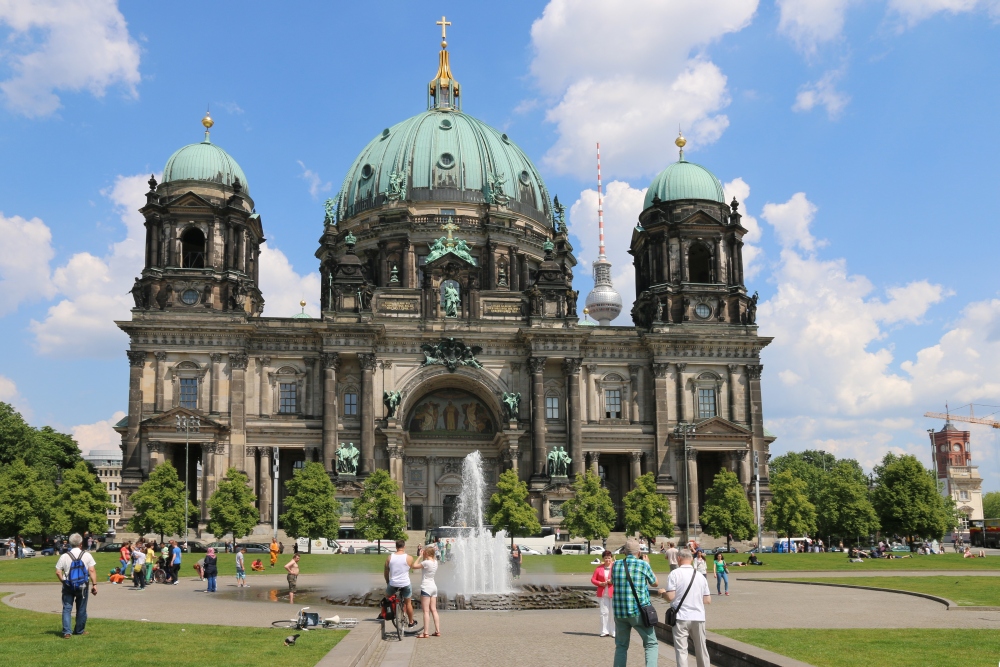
482 564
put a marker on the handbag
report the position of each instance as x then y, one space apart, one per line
648 611
671 618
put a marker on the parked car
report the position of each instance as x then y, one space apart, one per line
254 547
724 550
374 549
109 547
596 549
642 549
765 550
577 548
28 552
526 551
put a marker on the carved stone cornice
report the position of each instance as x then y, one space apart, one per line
536 364
136 357
331 360
660 370
367 361
755 371
572 366
239 360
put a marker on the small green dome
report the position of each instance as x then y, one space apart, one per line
685 180
444 156
204 162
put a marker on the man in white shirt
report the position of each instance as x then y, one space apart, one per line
75 584
671 556
690 612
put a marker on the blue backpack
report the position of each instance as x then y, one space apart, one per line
78 574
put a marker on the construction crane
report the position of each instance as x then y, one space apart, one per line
958 418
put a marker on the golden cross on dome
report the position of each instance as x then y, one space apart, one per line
444 26
450 227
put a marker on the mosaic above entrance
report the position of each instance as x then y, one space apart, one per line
451 412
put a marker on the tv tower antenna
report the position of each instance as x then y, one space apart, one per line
603 303
600 205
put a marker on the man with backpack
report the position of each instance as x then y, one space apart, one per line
75 570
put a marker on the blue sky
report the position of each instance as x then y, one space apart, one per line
859 137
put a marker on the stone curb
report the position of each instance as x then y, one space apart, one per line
726 652
356 648
949 605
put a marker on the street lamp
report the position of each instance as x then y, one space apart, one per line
683 430
187 424
756 481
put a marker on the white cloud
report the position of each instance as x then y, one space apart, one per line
24 262
622 206
95 289
914 11
316 184
64 45
823 93
810 23
10 395
627 74
99 435
739 190
791 222
283 288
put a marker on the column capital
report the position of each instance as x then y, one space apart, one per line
572 366
239 360
592 368
394 451
265 361
660 370
155 446
635 456
136 357
331 360
733 368
681 366
216 357
594 457
738 455
633 369
755 371
160 356
367 361
536 364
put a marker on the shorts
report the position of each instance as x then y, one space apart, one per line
241 573
292 581
405 592
428 594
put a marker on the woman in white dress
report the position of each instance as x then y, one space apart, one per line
428 563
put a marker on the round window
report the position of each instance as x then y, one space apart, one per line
446 161
385 133
525 177
958 448
703 311
367 171
189 297
505 138
445 124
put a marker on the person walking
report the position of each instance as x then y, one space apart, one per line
671 556
76 570
241 573
274 550
700 565
605 591
632 576
397 577
721 573
150 557
175 562
211 569
428 564
138 567
125 557
292 568
515 562
692 594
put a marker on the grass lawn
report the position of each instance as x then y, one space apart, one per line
837 562
862 648
966 591
36 639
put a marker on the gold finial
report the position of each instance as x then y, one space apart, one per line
680 142
207 120
444 26
586 311
302 303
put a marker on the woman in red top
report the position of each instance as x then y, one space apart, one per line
602 579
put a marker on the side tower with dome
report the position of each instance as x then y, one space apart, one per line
448 324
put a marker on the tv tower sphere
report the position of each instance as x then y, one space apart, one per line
603 303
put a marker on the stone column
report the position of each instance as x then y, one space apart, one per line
331 363
718 260
206 474
525 272
592 416
367 362
733 379
491 266
213 378
264 405
250 466
633 372
684 261
663 464
595 463
407 256
681 403
155 453
692 475
636 461
571 367
136 366
755 413
237 407
382 273
665 264
395 453
739 261
514 279
159 367
538 451
264 496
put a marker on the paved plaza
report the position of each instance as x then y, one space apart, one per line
507 638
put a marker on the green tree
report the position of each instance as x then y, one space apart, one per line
378 511
45 449
81 502
991 505
311 510
907 501
159 504
589 514
25 500
789 511
727 510
812 466
231 508
647 512
509 508
844 508
16 437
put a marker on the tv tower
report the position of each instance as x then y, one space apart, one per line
603 303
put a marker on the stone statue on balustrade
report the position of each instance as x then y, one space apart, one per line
512 404
558 461
391 399
347 459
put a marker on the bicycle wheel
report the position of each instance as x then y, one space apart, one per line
287 623
159 576
400 620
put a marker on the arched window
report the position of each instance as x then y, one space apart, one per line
193 249
700 264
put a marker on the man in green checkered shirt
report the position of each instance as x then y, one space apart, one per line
626 607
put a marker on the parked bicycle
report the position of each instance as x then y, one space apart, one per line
393 613
307 620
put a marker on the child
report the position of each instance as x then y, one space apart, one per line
241 573
116 576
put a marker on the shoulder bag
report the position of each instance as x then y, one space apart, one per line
671 618
647 612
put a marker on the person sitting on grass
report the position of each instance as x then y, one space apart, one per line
257 566
116 576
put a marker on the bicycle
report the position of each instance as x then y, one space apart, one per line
309 620
398 606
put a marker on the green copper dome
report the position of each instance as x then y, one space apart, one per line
204 162
447 157
684 180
